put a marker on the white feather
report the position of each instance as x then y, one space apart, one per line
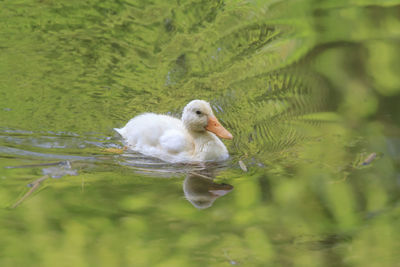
173 140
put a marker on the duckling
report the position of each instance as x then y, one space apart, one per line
193 138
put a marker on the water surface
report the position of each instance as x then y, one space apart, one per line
309 89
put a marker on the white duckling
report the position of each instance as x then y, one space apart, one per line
191 139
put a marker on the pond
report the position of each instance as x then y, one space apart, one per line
309 89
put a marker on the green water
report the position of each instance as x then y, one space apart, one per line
309 89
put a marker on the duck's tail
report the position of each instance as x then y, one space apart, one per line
119 131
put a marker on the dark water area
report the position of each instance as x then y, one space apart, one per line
309 89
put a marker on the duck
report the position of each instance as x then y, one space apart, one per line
193 138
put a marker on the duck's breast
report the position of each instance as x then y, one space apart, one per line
208 147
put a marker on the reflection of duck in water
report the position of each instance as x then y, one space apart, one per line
201 191
191 139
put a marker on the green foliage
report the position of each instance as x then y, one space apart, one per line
309 90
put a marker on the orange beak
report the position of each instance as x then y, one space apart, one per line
215 127
219 190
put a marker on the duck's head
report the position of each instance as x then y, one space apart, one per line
198 116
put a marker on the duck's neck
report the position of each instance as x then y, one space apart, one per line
201 139
207 146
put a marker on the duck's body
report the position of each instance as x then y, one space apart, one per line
174 140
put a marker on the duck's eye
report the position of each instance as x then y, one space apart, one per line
198 112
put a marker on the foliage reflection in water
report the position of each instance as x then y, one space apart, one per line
310 90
